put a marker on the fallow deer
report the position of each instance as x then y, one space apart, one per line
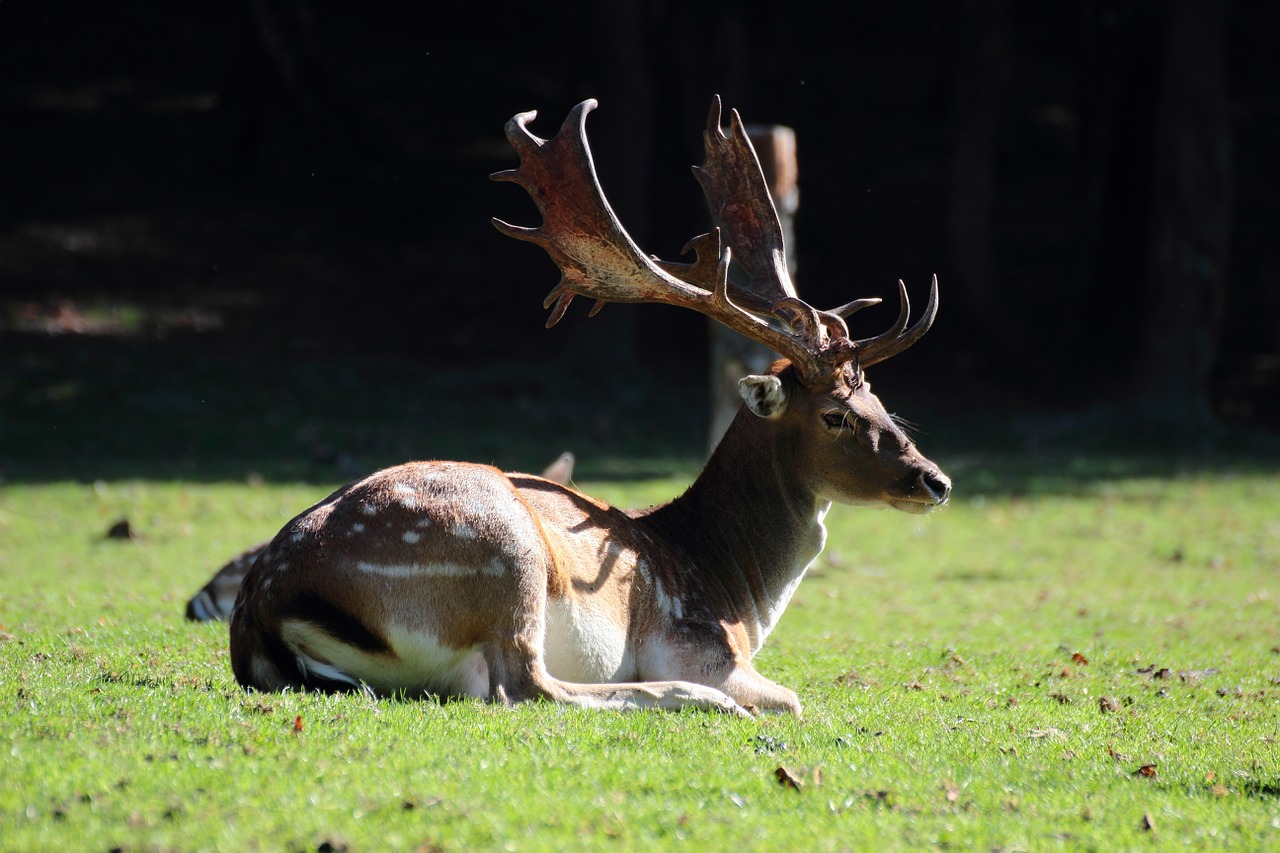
215 600
455 579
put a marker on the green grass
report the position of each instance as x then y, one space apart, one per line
994 676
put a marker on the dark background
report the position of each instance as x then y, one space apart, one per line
208 208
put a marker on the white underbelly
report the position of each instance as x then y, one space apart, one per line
421 664
584 646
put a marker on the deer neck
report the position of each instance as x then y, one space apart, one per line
749 525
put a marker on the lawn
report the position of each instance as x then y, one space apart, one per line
1093 665
1080 652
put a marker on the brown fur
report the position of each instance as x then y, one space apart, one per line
448 578
215 600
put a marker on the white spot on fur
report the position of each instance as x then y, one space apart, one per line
411 537
357 528
407 495
668 605
493 569
423 523
297 537
466 531
368 509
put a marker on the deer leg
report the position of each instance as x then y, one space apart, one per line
707 654
656 695
751 689
517 674
739 681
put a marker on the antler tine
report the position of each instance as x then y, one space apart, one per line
895 331
581 233
738 198
851 308
875 350
599 260
596 256
563 194
833 324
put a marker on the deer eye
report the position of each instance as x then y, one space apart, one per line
839 420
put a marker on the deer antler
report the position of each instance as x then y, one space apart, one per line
874 350
598 259
596 256
738 198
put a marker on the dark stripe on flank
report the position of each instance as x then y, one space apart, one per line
336 622
194 615
249 643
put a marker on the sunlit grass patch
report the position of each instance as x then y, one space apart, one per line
1095 667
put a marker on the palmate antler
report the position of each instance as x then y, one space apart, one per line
598 259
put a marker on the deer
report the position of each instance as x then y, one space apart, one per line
450 579
215 600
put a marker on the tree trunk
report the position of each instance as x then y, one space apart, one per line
979 73
1189 240
281 101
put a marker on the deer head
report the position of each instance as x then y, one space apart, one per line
818 397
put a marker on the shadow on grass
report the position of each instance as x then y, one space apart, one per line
1071 454
206 408
196 408
1264 790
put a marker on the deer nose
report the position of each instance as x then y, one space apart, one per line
936 484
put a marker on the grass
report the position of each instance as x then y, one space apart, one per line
1079 653
996 676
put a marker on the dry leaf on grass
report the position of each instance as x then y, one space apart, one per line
787 779
1050 733
121 530
1191 676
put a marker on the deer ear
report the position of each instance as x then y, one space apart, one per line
764 395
